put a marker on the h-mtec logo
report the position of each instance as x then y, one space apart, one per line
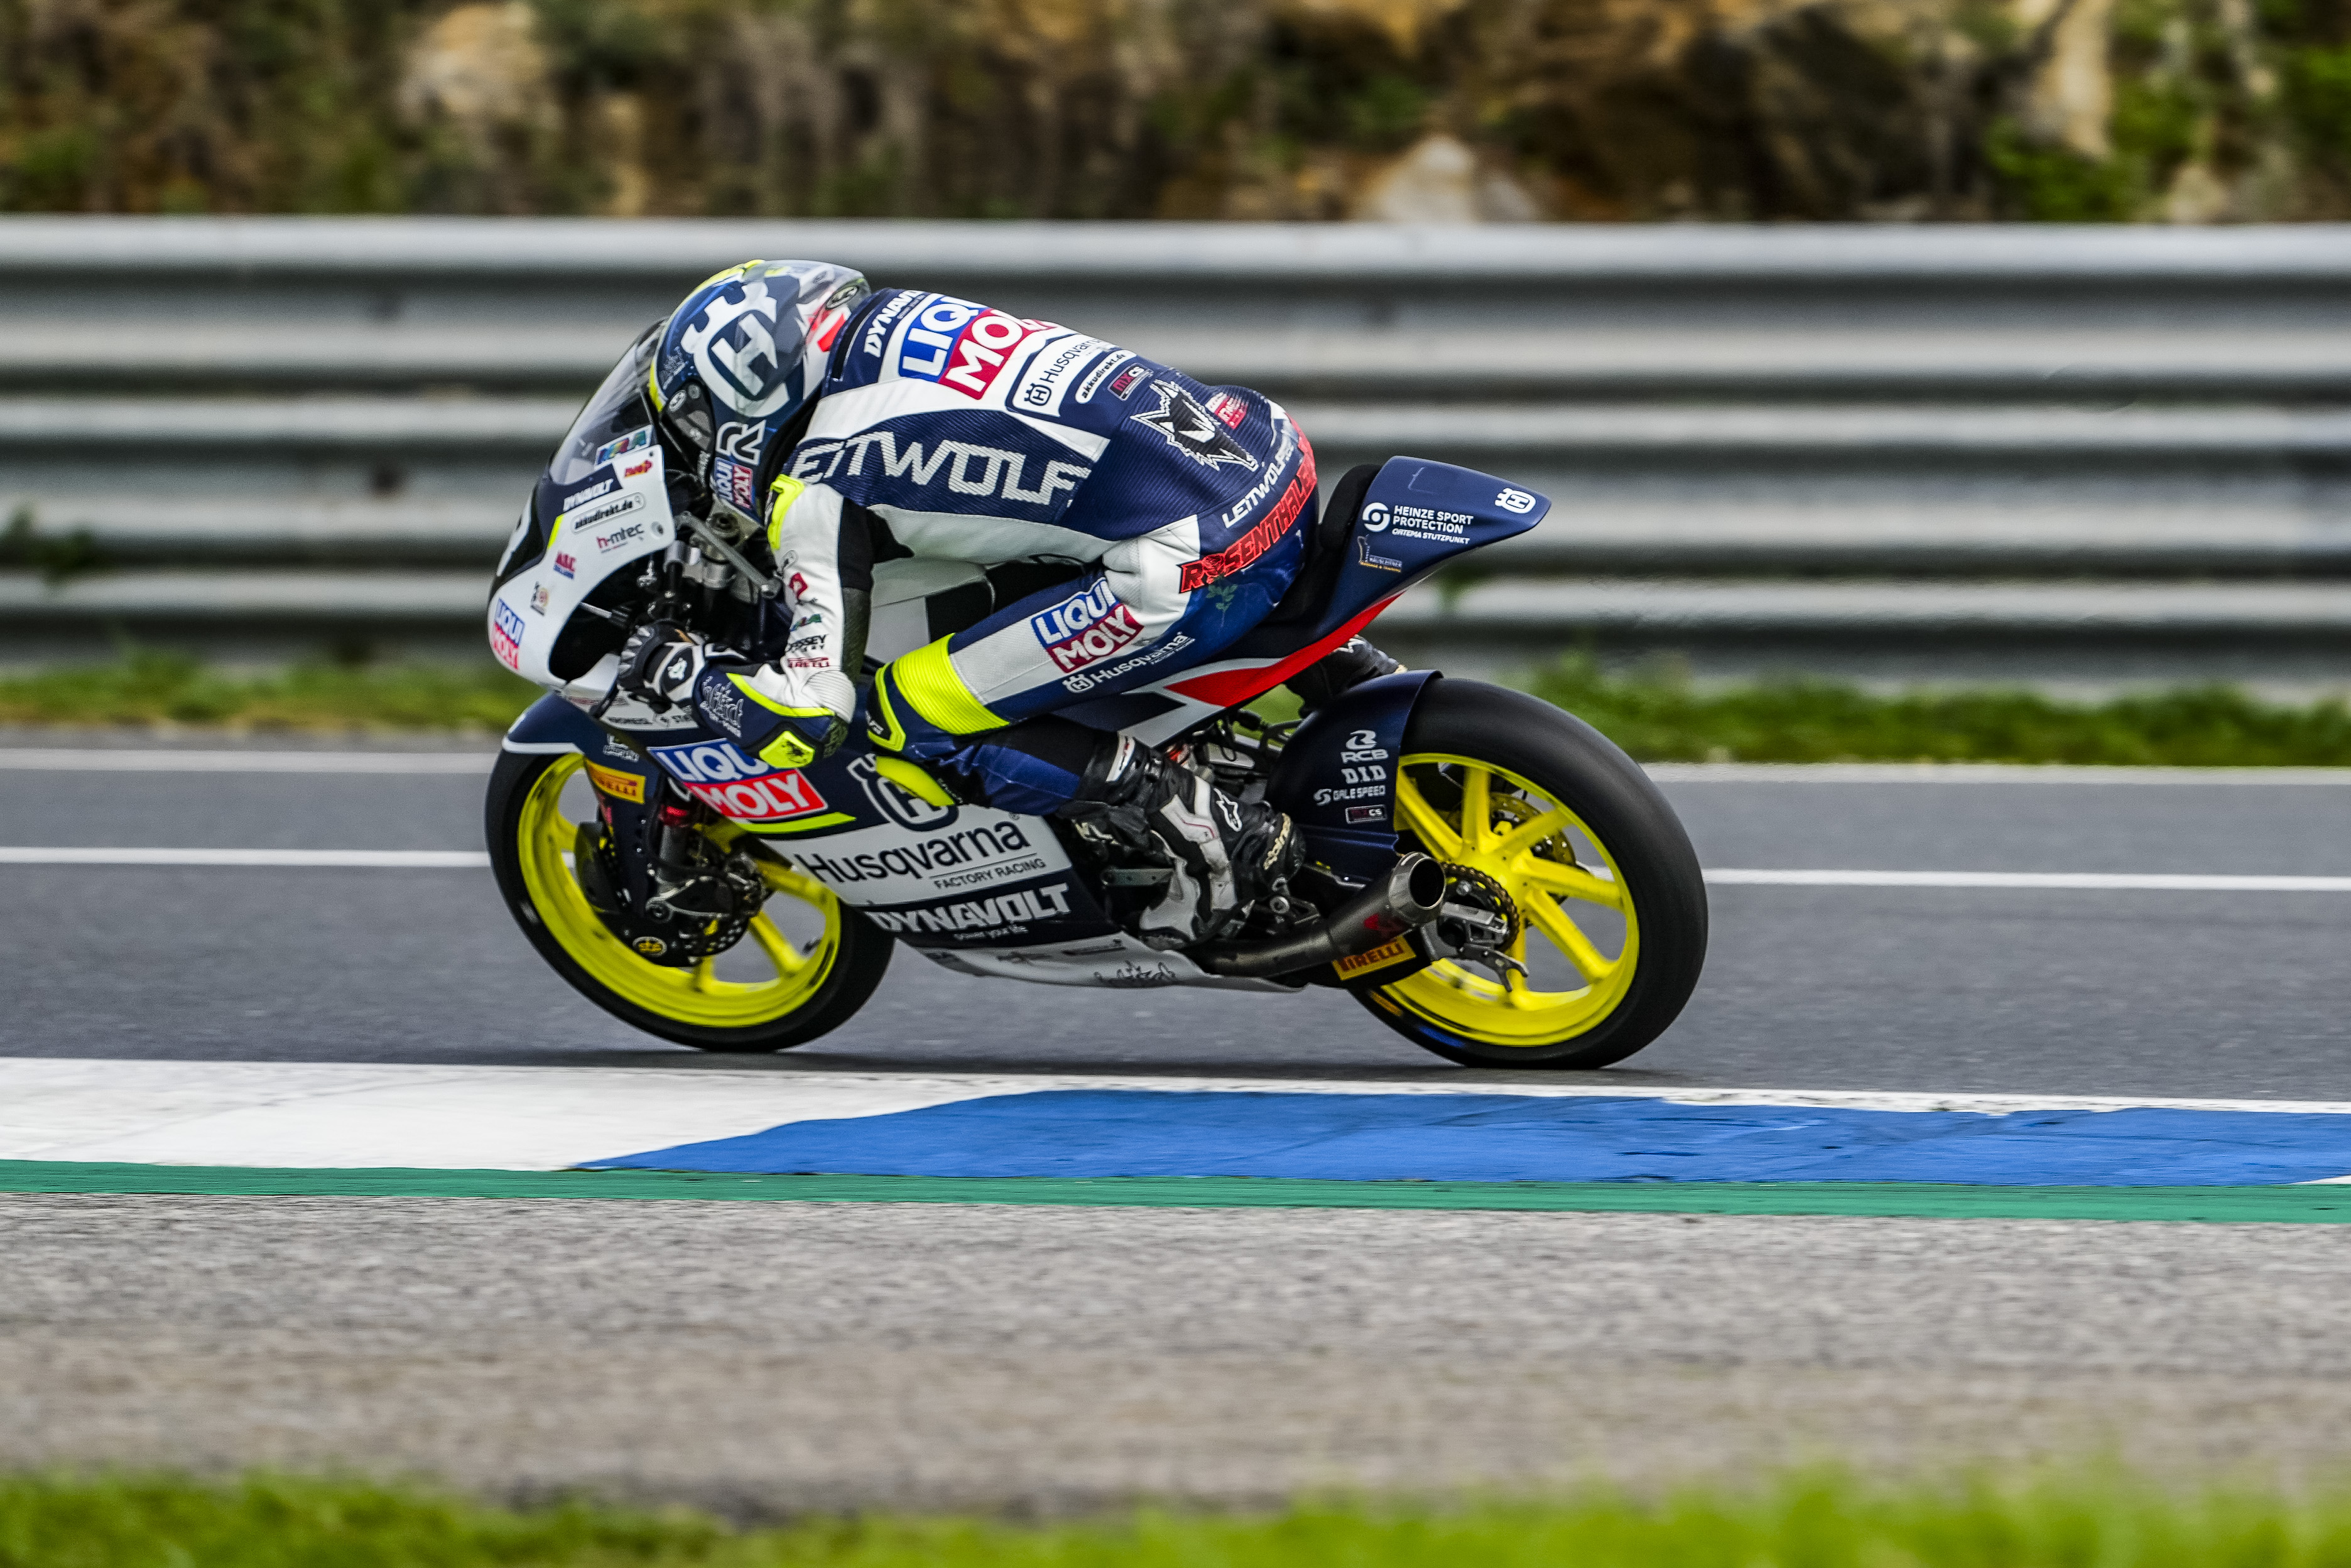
965 467
1085 628
954 343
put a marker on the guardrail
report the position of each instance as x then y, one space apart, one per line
2047 453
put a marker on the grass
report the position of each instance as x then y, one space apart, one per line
148 687
1657 717
1821 1521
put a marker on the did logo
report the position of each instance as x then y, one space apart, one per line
895 802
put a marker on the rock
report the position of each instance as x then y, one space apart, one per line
483 68
2071 96
1438 180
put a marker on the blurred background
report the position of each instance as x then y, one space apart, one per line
1970 349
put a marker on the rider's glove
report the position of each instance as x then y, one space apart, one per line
661 663
783 717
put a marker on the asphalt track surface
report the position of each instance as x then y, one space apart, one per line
2004 991
765 1358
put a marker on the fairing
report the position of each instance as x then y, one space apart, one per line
1417 515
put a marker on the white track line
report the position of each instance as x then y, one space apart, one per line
1981 773
2034 880
56 759
1732 876
377 860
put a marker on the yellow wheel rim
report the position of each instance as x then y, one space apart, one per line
545 839
1493 821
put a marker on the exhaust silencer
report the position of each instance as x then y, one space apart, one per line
1406 898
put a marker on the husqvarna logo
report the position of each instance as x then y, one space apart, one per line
1517 501
1376 516
900 805
733 341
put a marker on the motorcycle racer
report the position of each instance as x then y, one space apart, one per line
1132 522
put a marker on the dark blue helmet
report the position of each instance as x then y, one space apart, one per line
740 358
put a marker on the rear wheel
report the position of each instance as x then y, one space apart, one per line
1584 856
806 965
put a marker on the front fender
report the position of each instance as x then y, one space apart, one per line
1337 776
550 725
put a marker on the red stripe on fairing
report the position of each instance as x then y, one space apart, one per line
828 331
1230 688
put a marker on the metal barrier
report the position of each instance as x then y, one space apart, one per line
2050 453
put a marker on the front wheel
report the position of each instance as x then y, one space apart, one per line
1605 900
804 966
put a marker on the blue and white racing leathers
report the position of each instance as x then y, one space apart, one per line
957 431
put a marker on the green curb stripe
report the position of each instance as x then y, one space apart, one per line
2289 1204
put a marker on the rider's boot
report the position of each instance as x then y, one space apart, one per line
1350 664
1220 854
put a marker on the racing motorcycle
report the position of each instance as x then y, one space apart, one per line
1486 874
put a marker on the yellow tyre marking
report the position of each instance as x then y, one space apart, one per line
545 838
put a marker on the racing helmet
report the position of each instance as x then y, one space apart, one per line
740 358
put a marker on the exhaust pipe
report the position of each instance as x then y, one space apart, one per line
1408 897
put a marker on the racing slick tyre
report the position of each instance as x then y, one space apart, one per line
1565 841
806 964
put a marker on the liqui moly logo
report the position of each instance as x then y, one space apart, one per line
739 788
1085 628
507 633
961 345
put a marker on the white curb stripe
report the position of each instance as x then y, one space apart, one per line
56 759
320 1115
379 860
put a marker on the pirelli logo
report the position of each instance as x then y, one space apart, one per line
1260 538
1378 958
618 786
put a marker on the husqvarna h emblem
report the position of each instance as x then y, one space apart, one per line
901 805
732 342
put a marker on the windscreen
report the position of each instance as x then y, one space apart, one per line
619 408
618 411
